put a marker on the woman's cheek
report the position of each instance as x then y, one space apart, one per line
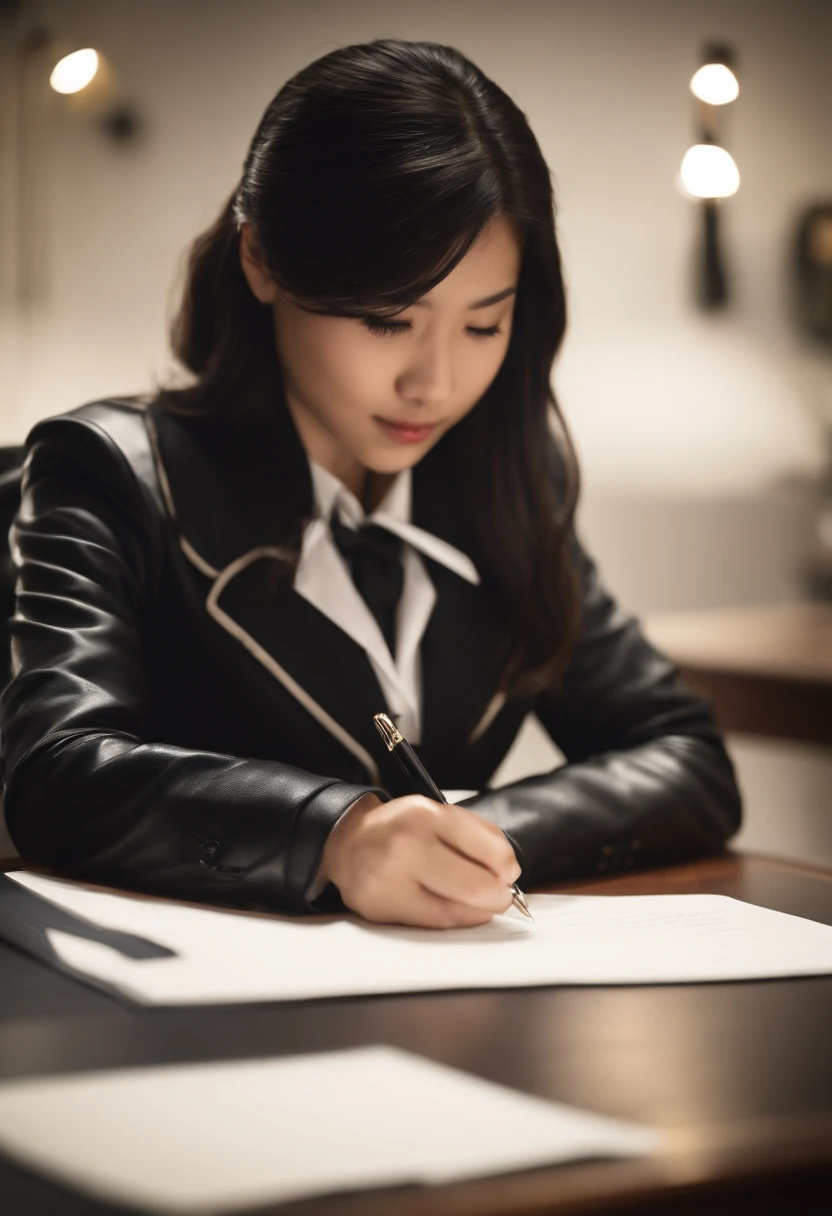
487 370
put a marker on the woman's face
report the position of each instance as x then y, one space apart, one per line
365 399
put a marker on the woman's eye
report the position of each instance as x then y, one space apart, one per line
376 326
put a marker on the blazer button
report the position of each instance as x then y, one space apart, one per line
207 852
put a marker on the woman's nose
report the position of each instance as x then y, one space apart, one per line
428 377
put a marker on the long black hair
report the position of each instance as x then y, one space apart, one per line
371 174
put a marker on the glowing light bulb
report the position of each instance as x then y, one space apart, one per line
716 84
74 72
709 171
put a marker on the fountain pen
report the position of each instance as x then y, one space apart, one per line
416 771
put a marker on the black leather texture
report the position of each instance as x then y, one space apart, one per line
11 461
181 722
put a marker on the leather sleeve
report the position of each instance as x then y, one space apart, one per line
87 792
647 780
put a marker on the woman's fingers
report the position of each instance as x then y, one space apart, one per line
452 875
479 840
417 862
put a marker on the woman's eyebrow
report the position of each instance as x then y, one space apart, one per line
495 299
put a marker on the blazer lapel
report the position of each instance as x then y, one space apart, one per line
326 671
225 484
230 487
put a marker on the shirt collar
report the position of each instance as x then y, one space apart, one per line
393 513
330 492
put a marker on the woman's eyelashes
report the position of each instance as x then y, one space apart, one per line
378 326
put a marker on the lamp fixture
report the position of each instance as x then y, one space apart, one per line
715 82
708 172
75 71
48 74
89 87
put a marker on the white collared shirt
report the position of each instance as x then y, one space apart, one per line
323 578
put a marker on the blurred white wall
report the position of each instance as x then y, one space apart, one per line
698 436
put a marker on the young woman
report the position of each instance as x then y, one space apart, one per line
363 501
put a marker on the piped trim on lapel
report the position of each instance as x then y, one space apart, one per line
193 557
161 472
270 663
221 579
493 708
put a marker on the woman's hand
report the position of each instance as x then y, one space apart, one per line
413 861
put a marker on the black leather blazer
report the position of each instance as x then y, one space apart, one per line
179 723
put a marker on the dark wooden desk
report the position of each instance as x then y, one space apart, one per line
767 669
739 1074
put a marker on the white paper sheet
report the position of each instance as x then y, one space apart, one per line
574 939
211 1137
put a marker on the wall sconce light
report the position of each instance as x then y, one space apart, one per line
709 172
86 80
84 84
75 71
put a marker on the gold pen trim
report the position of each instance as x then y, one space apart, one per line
388 730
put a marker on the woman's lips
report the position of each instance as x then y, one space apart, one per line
405 432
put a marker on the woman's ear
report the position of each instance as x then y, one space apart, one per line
257 277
